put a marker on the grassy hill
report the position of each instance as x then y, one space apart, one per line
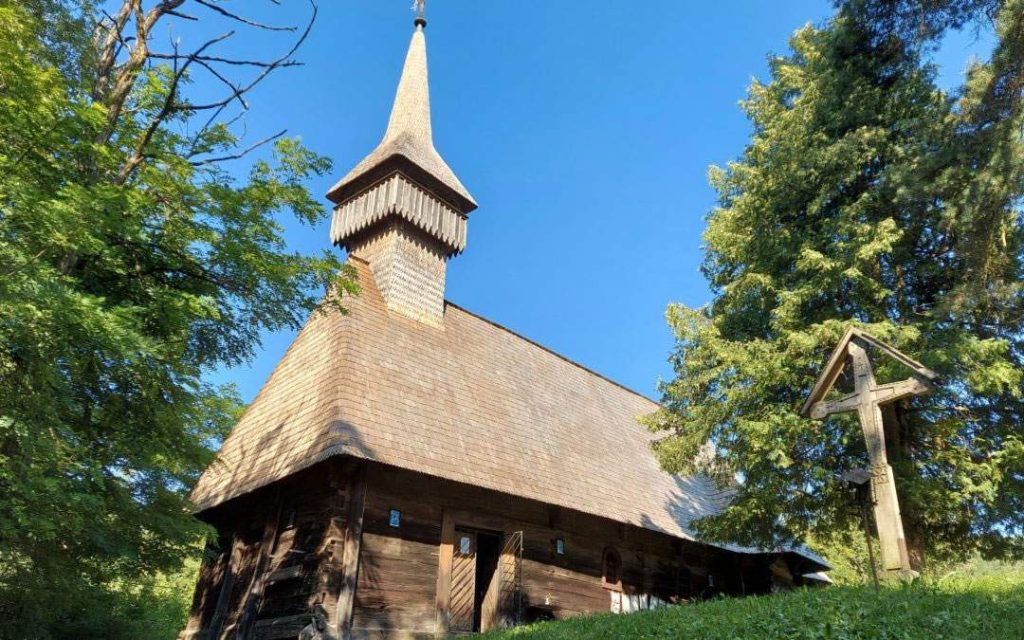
981 603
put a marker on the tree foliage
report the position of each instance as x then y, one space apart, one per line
132 262
867 196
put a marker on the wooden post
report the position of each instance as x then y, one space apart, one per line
220 611
254 596
353 542
867 400
444 574
891 539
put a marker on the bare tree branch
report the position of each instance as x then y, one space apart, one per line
122 58
235 16
230 85
124 78
242 153
108 41
183 16
168 107
231 61
284 60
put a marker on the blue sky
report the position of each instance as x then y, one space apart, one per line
583 129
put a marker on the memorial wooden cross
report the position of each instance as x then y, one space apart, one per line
867 400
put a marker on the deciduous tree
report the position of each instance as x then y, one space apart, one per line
132 262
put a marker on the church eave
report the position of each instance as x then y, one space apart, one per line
363 178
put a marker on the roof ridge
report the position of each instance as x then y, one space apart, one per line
551 351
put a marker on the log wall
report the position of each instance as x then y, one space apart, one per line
399 593
278 555
324 537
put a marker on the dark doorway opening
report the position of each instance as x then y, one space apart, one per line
488 551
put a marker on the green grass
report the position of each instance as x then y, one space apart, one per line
984 602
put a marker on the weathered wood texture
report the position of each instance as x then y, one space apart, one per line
280 554
349 566
868 400
331 543
207 599
406 578
463 582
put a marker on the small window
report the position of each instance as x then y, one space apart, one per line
559 546
612 572
465 545
395 518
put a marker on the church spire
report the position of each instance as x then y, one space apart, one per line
410 114
402 209
409 136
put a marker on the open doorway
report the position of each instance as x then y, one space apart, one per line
475 580
485 597
485 579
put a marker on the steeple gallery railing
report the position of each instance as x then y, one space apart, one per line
399 196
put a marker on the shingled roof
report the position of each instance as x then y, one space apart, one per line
471 402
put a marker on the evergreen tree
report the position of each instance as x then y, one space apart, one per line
866 196
131 263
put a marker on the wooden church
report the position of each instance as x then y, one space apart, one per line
412 469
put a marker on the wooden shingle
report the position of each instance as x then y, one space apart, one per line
470 402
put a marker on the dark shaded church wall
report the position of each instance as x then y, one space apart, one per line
397 584
276 555
279 552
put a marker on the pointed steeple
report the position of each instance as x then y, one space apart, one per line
409 137
402 209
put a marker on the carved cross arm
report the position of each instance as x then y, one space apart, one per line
889 393
825 408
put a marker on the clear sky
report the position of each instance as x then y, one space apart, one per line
583 129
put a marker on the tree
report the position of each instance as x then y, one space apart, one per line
131 263
866 196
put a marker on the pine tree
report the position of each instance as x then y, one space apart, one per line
866 196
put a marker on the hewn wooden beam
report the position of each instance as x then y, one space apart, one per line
330 551
891 538
837 361
209 586
888 393
220 612
897 355
444 573
353 542
825 408
254 596
829 374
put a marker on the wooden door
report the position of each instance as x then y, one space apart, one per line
463 591
509 597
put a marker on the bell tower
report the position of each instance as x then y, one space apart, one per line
402 209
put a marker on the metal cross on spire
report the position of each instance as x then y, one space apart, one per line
420 7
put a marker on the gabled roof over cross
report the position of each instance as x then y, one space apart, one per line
922 378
